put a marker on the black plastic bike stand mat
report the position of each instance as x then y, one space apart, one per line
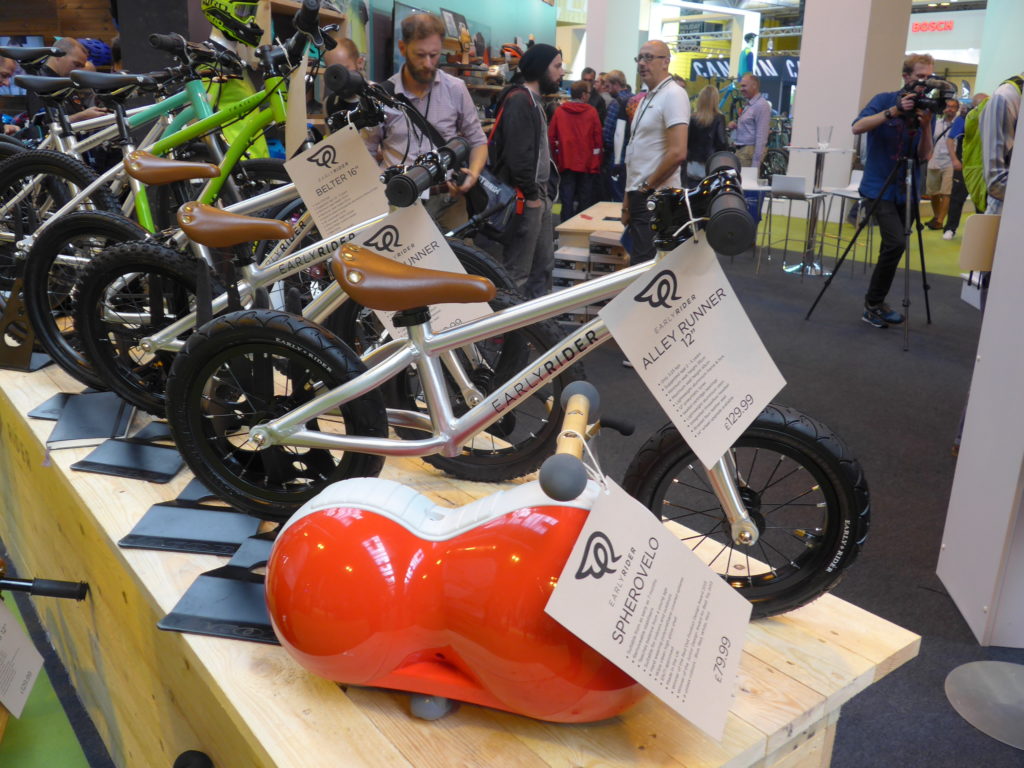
51 409
195 492
202 529
155 431
228 601
136 460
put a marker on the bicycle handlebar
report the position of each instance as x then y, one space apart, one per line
563 476
71 590
432 168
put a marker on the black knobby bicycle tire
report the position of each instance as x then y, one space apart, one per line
665 457
56 165
63 343
215 459
53 166
142 385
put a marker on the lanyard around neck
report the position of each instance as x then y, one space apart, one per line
647 103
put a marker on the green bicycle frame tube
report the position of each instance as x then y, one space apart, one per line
251 124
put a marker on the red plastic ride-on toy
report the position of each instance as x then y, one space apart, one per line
371 583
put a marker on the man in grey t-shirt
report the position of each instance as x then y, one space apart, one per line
657 145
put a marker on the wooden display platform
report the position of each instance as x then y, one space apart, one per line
600 217
154 694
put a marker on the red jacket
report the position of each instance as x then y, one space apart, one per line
575 135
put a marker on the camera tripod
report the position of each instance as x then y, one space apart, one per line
911 216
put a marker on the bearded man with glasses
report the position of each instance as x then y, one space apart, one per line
657 146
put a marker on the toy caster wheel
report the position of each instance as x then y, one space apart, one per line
193 759
430 707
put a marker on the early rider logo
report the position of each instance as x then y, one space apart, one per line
325 157
663 287
598 557
386 239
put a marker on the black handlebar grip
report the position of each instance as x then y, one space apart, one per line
731 229
562 477
169 43
307 20
343 81
459 149
722 159
72 590
404 189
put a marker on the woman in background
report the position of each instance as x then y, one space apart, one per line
706 134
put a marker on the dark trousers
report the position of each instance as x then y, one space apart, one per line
617 182
957 198
889 216
641 237
576 192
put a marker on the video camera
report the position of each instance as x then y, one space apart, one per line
931 93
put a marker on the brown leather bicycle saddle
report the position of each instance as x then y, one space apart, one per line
216 228
381 283
152 169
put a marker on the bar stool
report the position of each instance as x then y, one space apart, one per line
850 194
790 188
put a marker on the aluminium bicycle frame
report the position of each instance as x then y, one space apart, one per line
425 350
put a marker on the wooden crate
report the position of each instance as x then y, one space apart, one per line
154 694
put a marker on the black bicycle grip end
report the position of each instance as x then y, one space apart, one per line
403 190
72 590
730 229
343 81
169 43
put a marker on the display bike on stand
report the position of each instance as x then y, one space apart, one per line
269 409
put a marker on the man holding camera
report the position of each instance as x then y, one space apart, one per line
896 128
444 102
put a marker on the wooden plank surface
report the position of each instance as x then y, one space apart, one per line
155 694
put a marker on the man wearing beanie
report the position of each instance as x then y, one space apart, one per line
521 157
657 145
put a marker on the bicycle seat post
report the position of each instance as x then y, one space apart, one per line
416 322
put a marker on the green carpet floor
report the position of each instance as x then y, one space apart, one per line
942 257
42 737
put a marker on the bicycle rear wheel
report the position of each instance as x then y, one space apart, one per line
803 490
245 368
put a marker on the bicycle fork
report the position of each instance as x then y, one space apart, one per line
726 482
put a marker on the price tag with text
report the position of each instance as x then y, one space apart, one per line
339 182
410 236
689 339
20 662
636 594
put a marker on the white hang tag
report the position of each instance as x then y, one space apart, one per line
339 182
636 594
690 341
20 662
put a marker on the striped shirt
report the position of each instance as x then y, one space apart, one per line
997 124
447 105
752 126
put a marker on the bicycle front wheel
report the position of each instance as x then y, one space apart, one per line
51 289
248 367
802 489
127 293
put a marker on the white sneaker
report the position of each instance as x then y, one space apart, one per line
947 235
